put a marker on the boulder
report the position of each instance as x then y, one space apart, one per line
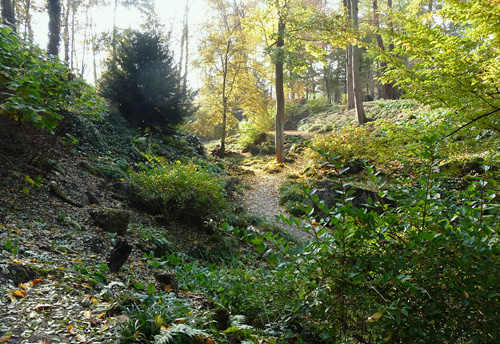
328 191
118 255
111 220
167 280
137 198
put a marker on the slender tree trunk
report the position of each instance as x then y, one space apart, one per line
84 48
66 30
387 88
29 27
348 57
185 36
358 100
72 64
54 9
280 95
8 14
326 80
113 38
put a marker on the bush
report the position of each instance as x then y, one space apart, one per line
250 134
315 105
141 78
185 188
37 89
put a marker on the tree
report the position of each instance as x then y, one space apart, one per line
54 9
141 79
457 70
8 14
388 91
358 97
230 85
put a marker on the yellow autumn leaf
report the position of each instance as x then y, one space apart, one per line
70 329
6 338
159 319
180 320
87 314
168 288
374 317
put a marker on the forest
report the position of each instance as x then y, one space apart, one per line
249 171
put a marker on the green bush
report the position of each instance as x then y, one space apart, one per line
250 134
315 105
37 89
187 188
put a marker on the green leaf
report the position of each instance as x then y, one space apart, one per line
151 288
138 286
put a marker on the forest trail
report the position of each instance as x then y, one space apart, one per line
262 197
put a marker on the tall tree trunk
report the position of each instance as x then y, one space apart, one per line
113 38
280 94
8 14
185 38
28 27
358 100
66 30
85 43
326 80
348 57
72 53
54 9
387 88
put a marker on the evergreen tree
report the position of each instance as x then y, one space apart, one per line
142 80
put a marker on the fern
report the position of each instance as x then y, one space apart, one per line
181 334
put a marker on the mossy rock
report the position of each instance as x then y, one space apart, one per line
111 220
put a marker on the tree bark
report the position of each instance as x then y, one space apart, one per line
348 57
358 100
387 88
66 31
8 14
54 9
327 84
185 35
280 94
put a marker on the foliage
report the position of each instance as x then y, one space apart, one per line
315 105
146 321
232 73
141 79
185 187
393 142
292 197
37 89
250 134
455 69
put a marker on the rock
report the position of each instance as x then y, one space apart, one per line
167 279
221 319
118 255
17 273
85 166
111 220
327 190
230 185
135 196
59 193
92 198
355 166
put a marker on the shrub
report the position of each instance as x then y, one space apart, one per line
37 89
186 188
315 105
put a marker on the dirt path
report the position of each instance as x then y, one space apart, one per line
262 199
